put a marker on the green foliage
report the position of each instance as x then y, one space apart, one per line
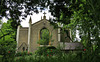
7 42
72 56
7 50
86 20
79 15
41 51
8 32
25 53
47 51
53 52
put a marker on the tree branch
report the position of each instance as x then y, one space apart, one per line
6 34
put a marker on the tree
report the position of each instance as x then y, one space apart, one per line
16 8
7 42
84 17
87 22
8 29
79 15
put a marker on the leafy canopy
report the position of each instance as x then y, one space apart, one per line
7 41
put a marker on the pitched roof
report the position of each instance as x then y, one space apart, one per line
71 45
39 21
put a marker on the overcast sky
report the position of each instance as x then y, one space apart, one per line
35 17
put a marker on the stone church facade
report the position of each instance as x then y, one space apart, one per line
27 37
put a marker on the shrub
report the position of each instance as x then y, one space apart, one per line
7 50
41 51
47 51
25 53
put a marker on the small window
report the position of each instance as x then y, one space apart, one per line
23 48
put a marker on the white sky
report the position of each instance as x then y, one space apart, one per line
35 17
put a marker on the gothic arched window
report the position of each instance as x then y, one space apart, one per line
44 36
44 32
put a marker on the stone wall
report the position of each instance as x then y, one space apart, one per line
35 33
23 38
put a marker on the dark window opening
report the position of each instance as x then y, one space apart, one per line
27 49
23 48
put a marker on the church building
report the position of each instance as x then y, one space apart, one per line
27 37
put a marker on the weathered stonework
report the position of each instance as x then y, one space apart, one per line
23 39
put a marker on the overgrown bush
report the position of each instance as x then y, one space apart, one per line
72 56
47 51
25 53
41 51
7 50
